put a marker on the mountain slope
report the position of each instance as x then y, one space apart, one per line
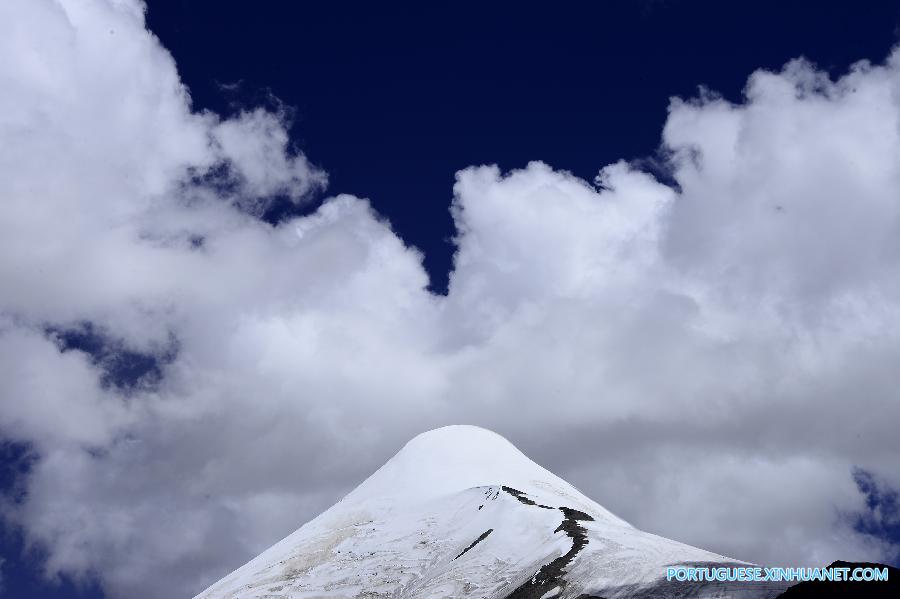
460 512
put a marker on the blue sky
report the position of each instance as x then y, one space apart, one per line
390 104
437 89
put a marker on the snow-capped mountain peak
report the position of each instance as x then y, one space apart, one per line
447 460
460 512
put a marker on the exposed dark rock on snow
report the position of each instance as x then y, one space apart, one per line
480 538
550 575
523 497
851 590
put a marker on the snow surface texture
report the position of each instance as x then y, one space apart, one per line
460 512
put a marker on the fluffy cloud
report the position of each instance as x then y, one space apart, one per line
711 362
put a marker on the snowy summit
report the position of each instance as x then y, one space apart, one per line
460 512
